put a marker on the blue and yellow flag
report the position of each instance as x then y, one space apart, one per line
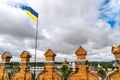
33 14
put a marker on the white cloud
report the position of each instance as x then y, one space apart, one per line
112 10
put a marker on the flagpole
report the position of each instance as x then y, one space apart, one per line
36 40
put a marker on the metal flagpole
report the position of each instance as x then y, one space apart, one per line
36 37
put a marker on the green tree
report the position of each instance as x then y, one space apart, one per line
65 72
101 73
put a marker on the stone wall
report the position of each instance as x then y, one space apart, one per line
48 72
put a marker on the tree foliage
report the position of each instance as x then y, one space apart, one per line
65 72
101 72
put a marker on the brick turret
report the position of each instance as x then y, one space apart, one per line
49 73
6 56
82 73
23 73
25 56
115 75
81 53
49 64
49 55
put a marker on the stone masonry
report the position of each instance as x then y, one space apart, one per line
4 75
115 75
23 73
49 73
82 73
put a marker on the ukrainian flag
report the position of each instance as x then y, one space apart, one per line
33 14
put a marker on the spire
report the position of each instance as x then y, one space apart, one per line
50 56
65 61
25 56
116 51
6 56
81 53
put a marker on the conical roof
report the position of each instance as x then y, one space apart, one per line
81 53
25 56
6 56
116 51
49 52
50 55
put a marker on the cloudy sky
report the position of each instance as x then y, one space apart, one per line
64 26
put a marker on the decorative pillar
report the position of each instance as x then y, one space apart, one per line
115 74
49 73
82 73
23 73
4 65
